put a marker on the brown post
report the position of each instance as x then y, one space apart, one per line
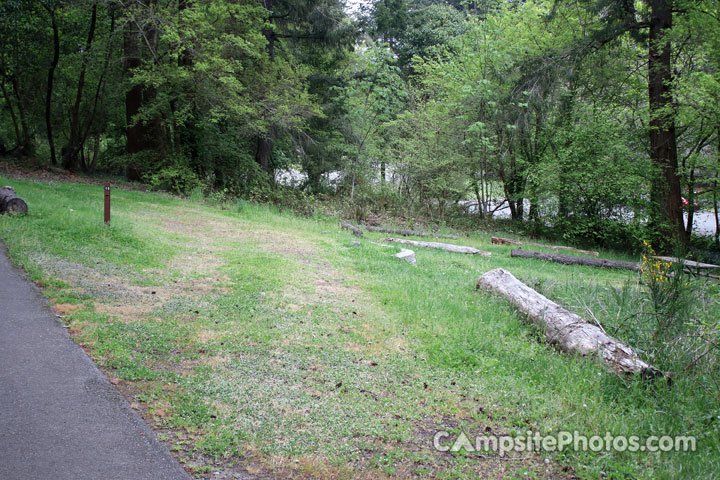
107 203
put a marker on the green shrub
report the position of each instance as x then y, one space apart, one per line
284 198
176 178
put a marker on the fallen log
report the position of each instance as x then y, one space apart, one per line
570 260
689 263
507 241
442 246
355 230
10 202
564 329
408 233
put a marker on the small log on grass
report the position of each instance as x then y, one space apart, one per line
564 329
355 230
407 255
442 246
570 260
507 241
10 202
408 233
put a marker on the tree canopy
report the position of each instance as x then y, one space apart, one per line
593 119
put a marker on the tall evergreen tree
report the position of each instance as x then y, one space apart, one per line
291 24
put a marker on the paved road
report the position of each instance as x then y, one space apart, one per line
60 418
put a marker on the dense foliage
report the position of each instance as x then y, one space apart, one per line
589 119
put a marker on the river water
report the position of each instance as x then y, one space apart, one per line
703 222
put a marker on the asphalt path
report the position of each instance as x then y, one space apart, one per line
60 418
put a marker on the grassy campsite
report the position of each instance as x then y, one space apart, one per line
259 342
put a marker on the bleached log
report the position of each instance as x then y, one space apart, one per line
408 233
563 329
508 241
570 260
688 263
442 246
407 255
355 230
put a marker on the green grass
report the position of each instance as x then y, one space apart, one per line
256 339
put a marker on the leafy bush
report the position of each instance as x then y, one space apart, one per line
285 198
588 188
606 233
177 178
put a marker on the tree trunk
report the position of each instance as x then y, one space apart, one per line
269 33
479 199
570 260
667 218
564 197
28 143
716 210
141 135
264 143
99 98
511 203
520 208
448 247
49 89
563 329
263 153
691 203
186 133
534 215
75 142
10 202
513 186
90 166
16 127
135 130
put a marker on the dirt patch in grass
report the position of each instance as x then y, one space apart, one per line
62 309
194 274
125 312
320 284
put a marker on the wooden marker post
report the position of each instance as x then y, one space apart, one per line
107 203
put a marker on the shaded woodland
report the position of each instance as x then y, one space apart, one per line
595 119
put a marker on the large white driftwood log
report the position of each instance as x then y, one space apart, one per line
407 255
564 329
442 246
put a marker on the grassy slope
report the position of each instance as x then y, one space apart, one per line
257 341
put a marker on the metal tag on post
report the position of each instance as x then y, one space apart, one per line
107 203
